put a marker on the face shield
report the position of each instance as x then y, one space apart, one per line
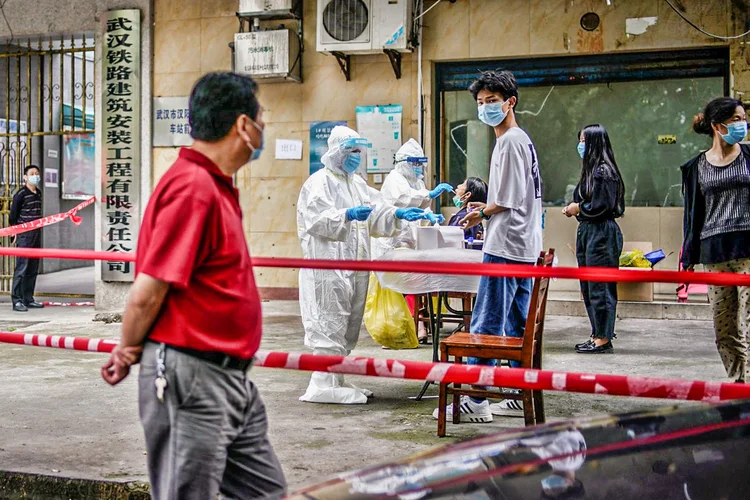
353 151
417 164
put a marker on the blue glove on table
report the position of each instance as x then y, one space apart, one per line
358 213
440 189
410 214
435 218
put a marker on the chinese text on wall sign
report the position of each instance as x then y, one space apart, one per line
122 133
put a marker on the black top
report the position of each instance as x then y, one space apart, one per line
720 247
603 205
26 206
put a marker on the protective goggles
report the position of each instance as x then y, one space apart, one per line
358 143
417 161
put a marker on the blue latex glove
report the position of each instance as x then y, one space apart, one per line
358 213
435 218
440 189
410 214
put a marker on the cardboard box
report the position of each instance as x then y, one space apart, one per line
636 292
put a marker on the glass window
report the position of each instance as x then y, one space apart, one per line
649 123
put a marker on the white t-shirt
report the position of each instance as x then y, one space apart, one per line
515 184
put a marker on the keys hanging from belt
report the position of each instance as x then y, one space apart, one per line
161 380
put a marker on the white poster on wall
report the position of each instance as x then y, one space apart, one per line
381 125
172 121
288 149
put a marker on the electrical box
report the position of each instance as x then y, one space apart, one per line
272 55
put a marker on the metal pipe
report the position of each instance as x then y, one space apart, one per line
51 90
28 103
60 125
73 86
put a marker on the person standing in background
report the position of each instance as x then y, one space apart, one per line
716 186
27 207
513 232
598 199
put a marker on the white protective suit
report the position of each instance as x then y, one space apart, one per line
402 188
332 303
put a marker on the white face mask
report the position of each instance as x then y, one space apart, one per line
34 179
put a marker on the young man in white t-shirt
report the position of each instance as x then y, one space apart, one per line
513 232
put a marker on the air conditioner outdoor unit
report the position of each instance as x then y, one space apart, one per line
364 26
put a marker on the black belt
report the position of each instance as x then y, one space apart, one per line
217 358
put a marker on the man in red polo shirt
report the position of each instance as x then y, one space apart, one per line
193 317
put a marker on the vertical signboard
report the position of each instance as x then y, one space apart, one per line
121 101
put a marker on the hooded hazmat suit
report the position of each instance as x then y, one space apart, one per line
403 188
332 303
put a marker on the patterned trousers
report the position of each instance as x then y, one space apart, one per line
730 306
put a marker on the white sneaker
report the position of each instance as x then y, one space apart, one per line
507 408
471 411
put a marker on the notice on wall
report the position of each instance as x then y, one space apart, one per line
288 149
121 95
51 179
381 125
172 121
319 134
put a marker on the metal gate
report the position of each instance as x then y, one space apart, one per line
46 88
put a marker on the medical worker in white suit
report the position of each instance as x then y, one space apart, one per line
336 216
404 187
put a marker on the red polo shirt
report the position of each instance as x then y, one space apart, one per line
192 238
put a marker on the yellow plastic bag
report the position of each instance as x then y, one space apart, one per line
387 318
634 258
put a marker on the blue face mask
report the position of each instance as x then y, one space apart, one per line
257 151
581 148
352 162
492 113
418 171
735 132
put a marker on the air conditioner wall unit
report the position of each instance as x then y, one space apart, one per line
364 26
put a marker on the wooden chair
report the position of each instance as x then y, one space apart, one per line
527 350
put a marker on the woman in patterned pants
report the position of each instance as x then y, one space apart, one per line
716 184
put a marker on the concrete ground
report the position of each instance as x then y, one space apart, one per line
59 418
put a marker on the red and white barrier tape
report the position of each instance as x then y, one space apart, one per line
519 378
501 270
58 341
68 304
49 220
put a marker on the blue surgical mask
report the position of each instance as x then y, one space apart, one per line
257 151
581 148
457 201
418 171
492 113
34 180
352 162
736 131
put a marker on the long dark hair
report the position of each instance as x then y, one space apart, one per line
599 153
478 189
717 111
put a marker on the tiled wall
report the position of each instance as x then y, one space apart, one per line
191 38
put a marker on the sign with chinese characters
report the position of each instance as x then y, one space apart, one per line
172 121
288 149
381 125
319 134
121 72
